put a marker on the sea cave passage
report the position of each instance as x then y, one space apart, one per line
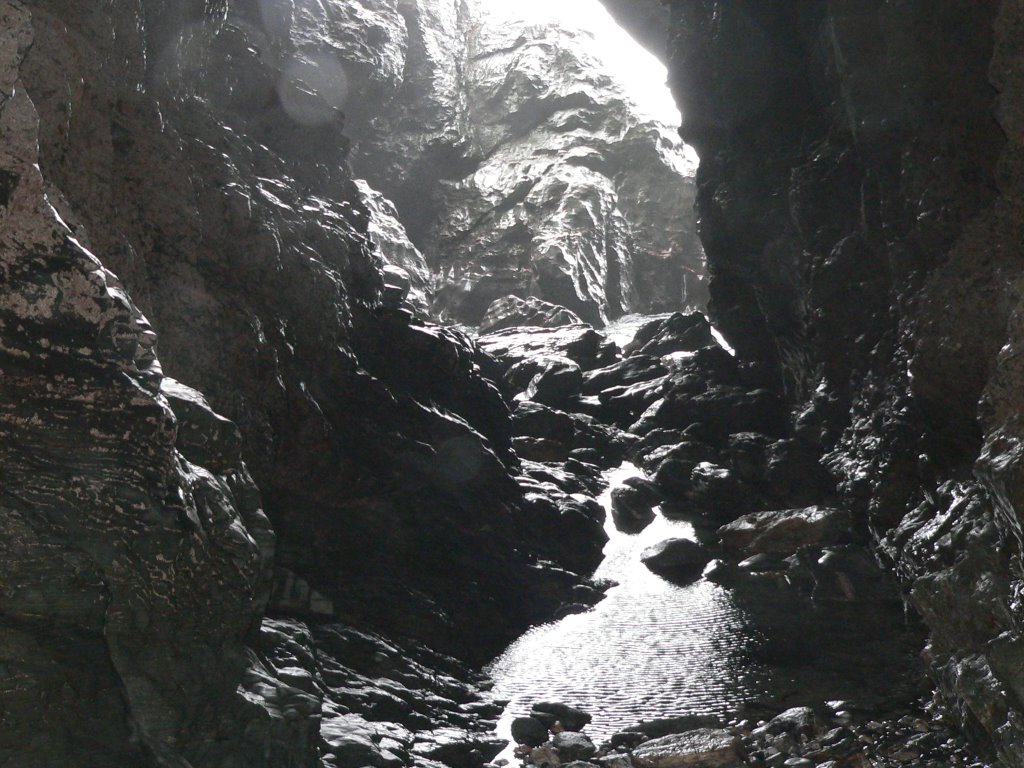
386 383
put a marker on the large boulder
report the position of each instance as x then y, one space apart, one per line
676 333
513 311
700 748
786 531
679 560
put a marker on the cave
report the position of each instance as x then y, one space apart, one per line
469 383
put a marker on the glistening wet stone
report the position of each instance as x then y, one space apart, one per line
655 650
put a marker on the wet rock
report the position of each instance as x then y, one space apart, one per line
786 531
579 343
572 745
627 739
571 718
716 493
632 508
544 757
406 274
850 573
701 748
679 560
677 333
531 187
558 382
800 721
720 410
513 311
623 373
529 731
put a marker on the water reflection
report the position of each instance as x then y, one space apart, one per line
654 650
650 649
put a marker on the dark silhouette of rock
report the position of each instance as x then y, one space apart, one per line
678 560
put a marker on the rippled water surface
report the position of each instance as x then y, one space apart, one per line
650 649
654 650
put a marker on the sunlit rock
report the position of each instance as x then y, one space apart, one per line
786 531
676 559
529 171
702 748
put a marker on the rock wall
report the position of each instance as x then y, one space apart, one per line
861 212
520 166
175 172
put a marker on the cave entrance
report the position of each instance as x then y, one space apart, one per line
533 151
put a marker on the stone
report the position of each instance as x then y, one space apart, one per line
676 333
572 745
529 731
571 718
579 343
558 382
631 370
800 721
786 531
632 510
544 757
679 560
513 312
701 748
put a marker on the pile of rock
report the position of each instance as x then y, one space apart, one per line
552 734
825 736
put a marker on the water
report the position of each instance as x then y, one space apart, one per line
653 650
649 650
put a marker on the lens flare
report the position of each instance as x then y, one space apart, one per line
313 88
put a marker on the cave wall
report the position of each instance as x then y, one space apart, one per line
861 212
192 344
519 165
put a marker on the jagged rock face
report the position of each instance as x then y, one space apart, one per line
137 555
520 167
862 218
222 200
192 151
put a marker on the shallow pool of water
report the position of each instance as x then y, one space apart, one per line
650 649
653 650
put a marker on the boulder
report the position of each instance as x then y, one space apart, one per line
557 382
701 748
571 718
513 311
529 731
676 333
572 745
580 343
785 531
679 560
625 372
632 509
717 494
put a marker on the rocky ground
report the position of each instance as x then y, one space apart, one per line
825 736
720 450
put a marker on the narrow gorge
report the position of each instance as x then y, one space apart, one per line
408 383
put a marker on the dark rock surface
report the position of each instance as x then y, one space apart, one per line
194 153
676 559
861 214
